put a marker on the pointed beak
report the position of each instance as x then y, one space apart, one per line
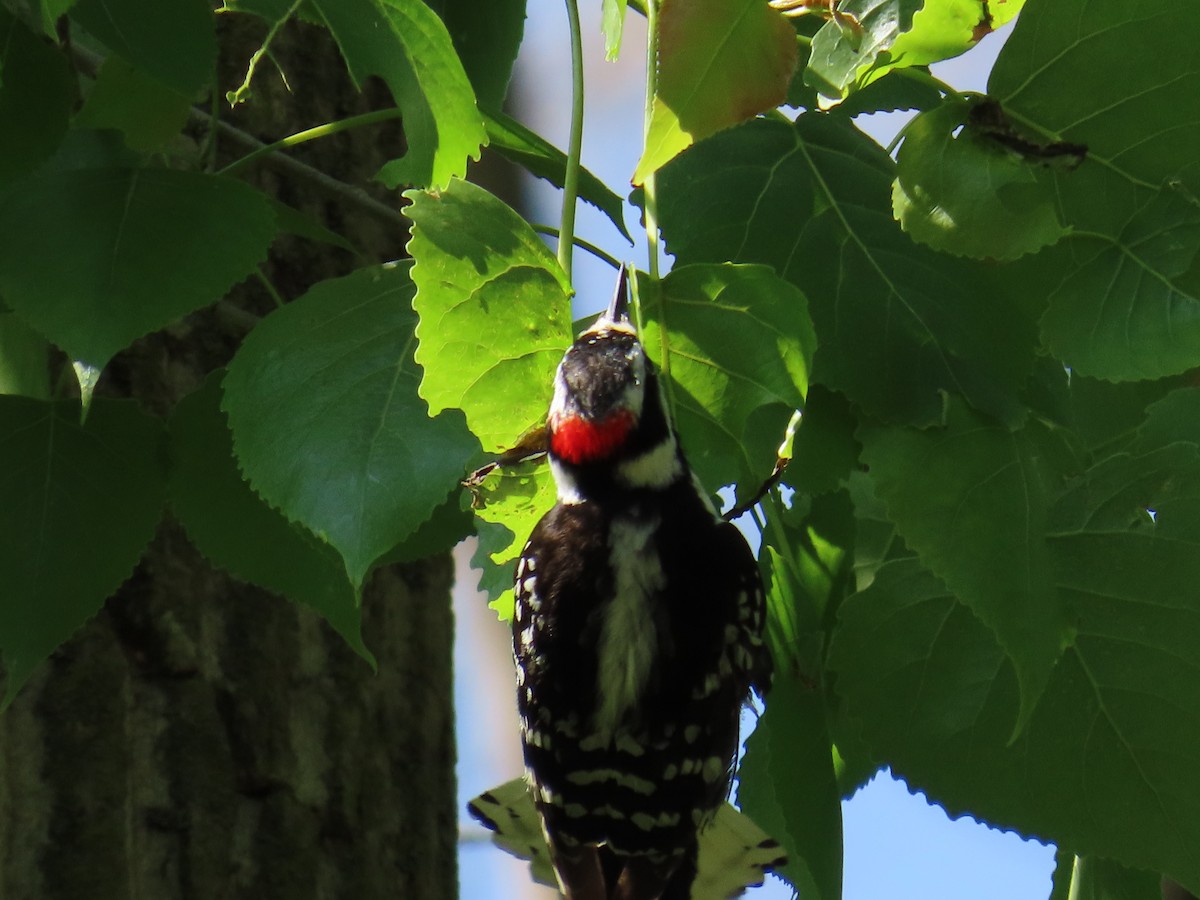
618 309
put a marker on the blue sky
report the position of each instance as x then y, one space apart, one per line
898 846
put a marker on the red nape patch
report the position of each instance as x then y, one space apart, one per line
579 441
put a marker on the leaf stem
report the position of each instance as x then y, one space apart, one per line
311 134
243 91
566 240
579 242
650 186
269 287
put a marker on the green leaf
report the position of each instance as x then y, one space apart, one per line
898 324
786 784
24 359
51 10
94 258
515 142
236 530
487 40
1105 413
940 30
271 10
36 94
844 49
957 191
306 225
825 450
78 504
1064 869
613 26
1104 879
440 533
326 420
509 503
407 45
145 110
174 42
898 91
1121 307
494 308
1117 307
973 500
719 62
707 328
1108 762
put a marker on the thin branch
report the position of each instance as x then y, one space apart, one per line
243 91
591 248
773 479
89 63
351 194
566 243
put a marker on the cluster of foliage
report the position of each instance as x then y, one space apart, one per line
982 561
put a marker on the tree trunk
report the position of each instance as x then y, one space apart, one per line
201 738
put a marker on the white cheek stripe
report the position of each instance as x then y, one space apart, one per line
657 467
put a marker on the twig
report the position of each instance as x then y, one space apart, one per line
89 63
773 479
316 177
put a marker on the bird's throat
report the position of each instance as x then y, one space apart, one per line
577 440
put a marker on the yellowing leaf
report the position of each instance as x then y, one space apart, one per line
720 62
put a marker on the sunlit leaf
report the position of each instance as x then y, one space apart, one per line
510 502
707 328
613 26
720 62
495 312
407 45
326 421
852 39
940 30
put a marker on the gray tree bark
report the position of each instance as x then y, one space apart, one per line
201 738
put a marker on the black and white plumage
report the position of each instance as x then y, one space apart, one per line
637 633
